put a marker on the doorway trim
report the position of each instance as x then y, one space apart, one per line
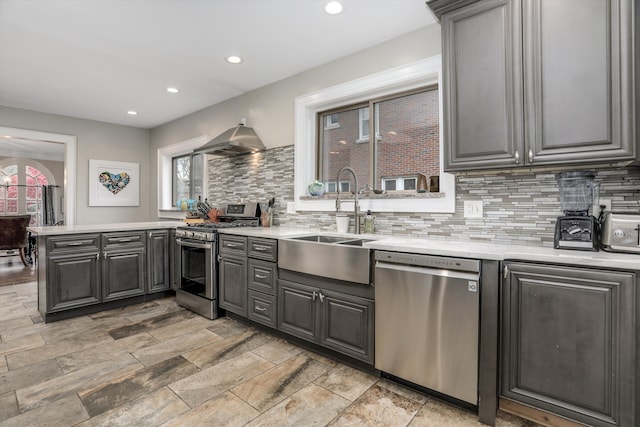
70 142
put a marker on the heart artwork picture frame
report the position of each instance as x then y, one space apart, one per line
114 183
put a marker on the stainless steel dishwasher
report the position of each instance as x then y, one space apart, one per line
427 321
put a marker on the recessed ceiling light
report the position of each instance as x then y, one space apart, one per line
333 7
132 113
234 59
173 90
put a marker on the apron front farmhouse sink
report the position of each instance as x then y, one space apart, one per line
335 257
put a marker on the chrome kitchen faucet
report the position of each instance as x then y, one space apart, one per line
356 208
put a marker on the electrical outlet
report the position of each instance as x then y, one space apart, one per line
291 207
602 202
473 209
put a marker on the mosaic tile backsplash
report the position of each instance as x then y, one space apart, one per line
519 206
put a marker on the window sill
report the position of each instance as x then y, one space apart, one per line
384 196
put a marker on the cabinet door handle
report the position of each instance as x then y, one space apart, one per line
105 255
321 296
261 248
313 297
505 272
517 156
219 258
98 255
260 276
530 155
260 308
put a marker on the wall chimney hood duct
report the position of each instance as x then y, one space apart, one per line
235 141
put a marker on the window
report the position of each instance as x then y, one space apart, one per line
332 121
21 190
187 175
309 162
363 124
399 184
407 141
345 186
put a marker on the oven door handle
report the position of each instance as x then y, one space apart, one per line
194 245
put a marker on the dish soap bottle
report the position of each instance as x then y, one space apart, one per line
369 223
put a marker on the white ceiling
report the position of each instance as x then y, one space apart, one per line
97 59
39 150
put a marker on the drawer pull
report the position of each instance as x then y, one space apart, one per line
260 276
80 243
261 248
231 245
260 308
125 240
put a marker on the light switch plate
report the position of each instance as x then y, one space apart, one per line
291 207
473 209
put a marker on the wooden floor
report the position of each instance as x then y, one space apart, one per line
13 271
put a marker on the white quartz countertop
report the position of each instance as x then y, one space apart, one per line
55 230
463 249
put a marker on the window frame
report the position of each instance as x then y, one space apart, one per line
166 207
424 72
369 105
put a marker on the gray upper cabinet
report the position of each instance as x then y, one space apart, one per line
578 80
520 89
568 342
482 85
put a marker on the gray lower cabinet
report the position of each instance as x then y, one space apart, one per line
158 261
261 278
123 273
233 273
568 342
72 269
123 264
521 90
341 322
174 253
73 280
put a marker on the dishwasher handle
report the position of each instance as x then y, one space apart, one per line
427 271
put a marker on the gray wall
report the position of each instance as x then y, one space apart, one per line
96 140
270 110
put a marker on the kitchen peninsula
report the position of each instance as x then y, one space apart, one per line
89 268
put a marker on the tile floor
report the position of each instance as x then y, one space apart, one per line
157 364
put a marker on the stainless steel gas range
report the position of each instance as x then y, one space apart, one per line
198 258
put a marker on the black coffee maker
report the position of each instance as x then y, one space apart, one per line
577 229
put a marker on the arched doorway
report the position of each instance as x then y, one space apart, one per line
21 190
69 180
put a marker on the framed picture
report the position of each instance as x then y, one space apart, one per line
114 183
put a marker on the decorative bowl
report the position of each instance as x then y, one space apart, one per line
316 188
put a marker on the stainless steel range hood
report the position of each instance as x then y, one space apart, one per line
235 141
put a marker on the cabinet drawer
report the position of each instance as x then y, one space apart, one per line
76 242
262 308
122 239
266 249
233 244
262 276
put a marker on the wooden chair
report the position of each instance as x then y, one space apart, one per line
14 235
